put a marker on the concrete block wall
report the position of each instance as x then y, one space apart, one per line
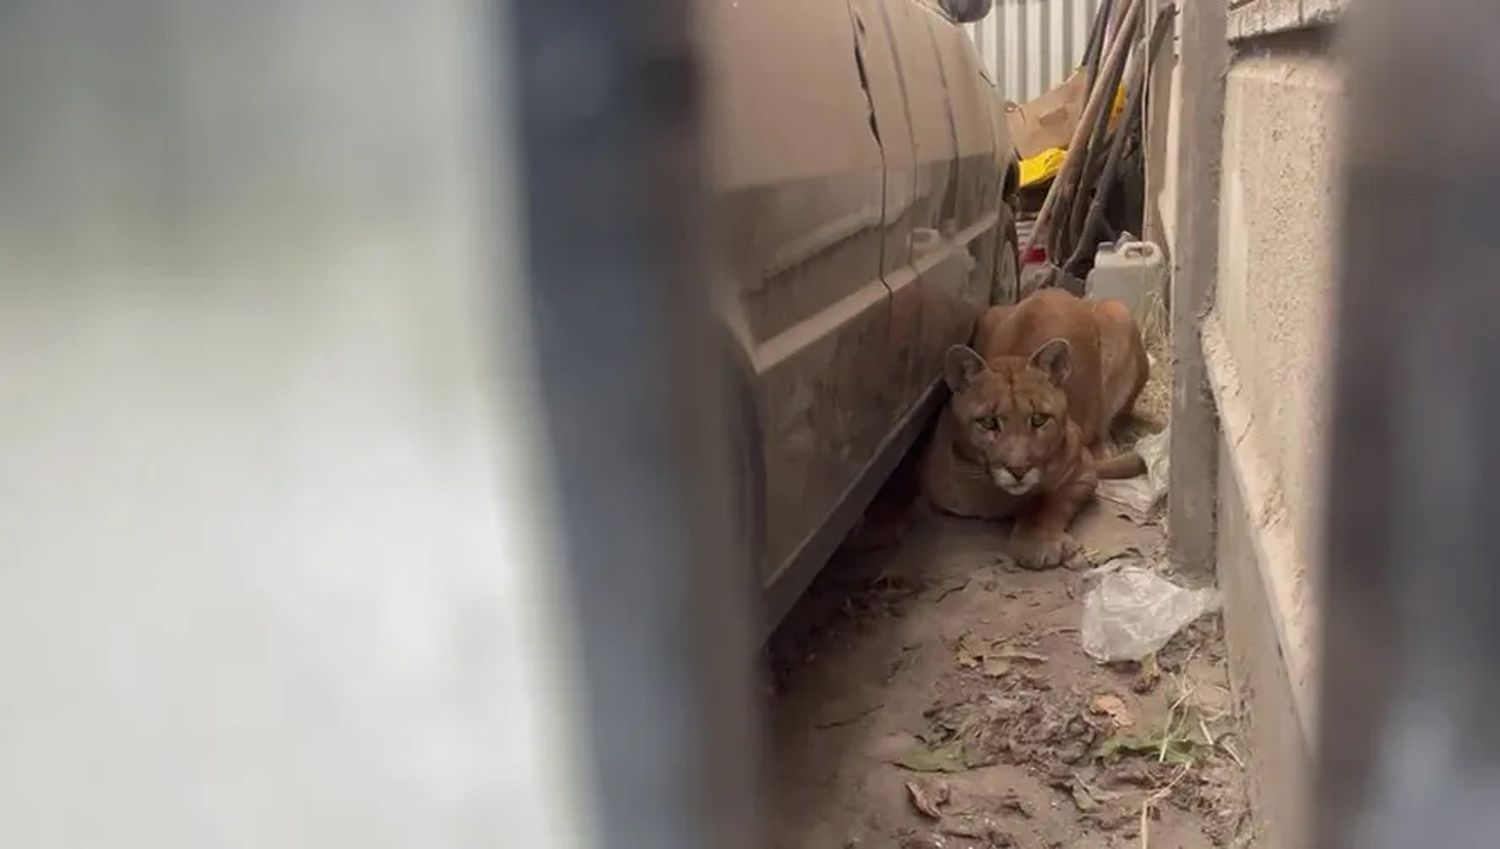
1265 345
1267 339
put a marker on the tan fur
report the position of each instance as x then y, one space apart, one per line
1025 401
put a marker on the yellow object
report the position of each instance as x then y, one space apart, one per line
1046 164
1043 166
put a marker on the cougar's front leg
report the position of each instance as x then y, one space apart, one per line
1040 539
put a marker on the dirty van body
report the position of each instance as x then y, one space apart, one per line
862 171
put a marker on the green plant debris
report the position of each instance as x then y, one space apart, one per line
944 758
1174 743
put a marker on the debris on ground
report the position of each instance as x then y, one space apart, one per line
938 759
1134 611
978 828
928 797
996 667
992 727
1113 707
995 659
1147 674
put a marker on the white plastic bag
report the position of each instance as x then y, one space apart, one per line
1142 493
1134 611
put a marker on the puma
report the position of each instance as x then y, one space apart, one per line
1032 403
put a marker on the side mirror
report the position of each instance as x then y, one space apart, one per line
967 11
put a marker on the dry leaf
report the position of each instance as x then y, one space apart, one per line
966 655
1114 707
971 828
941 759
1012 802
976 828
927 797
1081 798
996 667
1000 649
1028 656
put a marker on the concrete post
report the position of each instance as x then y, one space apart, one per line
1204 56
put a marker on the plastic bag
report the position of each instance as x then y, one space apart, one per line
1144 492
1134 611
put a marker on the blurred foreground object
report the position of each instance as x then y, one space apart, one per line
352 494
1410 747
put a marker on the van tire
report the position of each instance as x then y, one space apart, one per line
1007 285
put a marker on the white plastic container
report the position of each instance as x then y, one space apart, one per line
1133 272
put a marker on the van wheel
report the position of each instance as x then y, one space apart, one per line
1007 285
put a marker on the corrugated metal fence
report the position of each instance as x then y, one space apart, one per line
1031 45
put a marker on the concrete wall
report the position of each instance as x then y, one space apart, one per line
1266 342
1265 348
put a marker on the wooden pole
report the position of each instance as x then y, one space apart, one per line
1097 100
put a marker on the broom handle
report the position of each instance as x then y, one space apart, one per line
1097 98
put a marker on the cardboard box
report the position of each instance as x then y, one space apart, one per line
1048 121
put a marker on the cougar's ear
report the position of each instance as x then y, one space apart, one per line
961 366
1054 359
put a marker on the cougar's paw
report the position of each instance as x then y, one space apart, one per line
1041 552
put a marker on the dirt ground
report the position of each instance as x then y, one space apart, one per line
931 694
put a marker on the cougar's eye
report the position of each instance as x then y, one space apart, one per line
988 422
1039 420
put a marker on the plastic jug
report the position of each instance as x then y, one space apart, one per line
1130 271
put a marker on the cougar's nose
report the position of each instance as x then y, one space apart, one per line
1017 472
